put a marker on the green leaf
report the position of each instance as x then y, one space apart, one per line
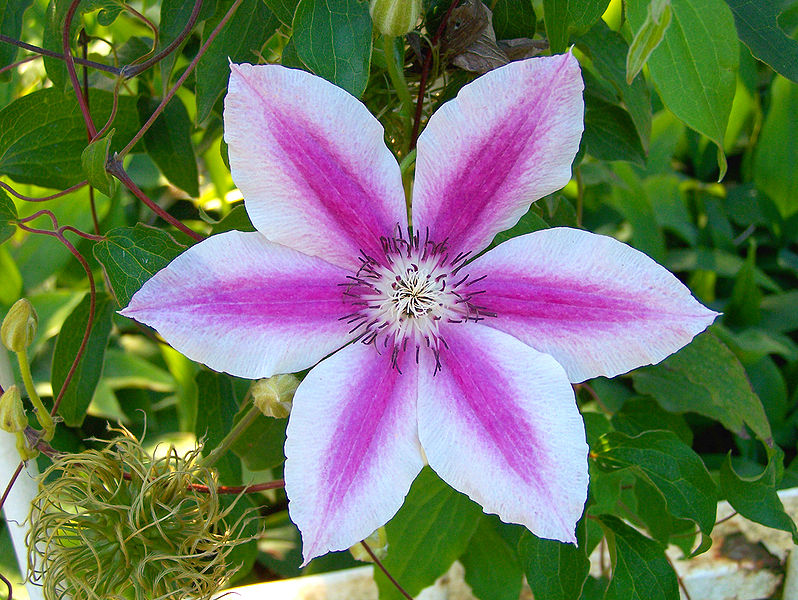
639 415
652 510
174 17
648 37
216 407
168 143
565 16
491 565
707 378
131 255
94 158
695 66
42 135
633 203
513 19
554 570
8 217
333 39
640 570
530 222
11 13
283 9
610 133
607 50
123 369
260 446
743 306
758 28
81 388
53 28
11 290
239 41
430 531
671 466
776 157
755 498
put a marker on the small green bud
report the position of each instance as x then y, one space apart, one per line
12 413
19 326
274 396
377 541
395 17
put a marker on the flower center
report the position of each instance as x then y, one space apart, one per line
400 300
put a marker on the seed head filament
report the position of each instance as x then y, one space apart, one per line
400 300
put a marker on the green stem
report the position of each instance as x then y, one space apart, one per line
580 196
231 437
42 414
396 73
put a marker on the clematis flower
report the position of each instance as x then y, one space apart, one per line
463 361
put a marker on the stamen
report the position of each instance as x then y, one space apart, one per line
400 299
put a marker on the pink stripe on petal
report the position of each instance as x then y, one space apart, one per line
596 305
311 163
508 139
499 422
352 448
241 304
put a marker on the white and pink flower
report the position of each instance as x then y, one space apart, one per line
467 360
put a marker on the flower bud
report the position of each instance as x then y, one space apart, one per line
12 413
377 541
19 326
274 396
395 17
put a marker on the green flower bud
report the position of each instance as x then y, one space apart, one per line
19 326
274 396
395 17
12 413
377 541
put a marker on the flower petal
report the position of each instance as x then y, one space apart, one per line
311 162
352 449
596 305
508 139
246 306
499 422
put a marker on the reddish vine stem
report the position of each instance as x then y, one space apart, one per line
8 585
69 190
14 65
230 489
58 234
115 168
189 69
13 480
192 19
84 42
70 65
422 85
52 54
390 577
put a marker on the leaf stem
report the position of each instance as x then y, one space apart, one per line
115 168
42 415
189 69
70 65
390 577
228 440
397 76
422 86
58 55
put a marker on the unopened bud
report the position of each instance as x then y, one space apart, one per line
19 326
395 17
377 542
274 396
12 413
